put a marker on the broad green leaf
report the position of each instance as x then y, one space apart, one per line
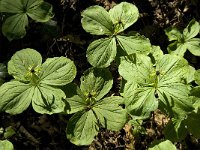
177 48
75 99
191 30
197 76
102 52
136 68
82 128
171 92
15 97
175 130
24 64
162 83
96 83
6 145
123 16
163 145
57 71
157 53
3 73
11 6
110 114
142 102
134 44
189 73
96 20
48 100
193 122
173 33
14 26
39 11
193 46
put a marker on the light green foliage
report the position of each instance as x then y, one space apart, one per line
184 40
150 86
91 109
96 20
163 145
35 83
6 145
18 12
3 73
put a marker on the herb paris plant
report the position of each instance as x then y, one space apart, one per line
91 109
36 83
150 86
96 20
185 40
18 13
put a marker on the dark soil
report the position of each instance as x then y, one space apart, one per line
47 132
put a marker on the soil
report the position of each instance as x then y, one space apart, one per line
66 37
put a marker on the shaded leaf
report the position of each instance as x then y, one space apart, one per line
14 26
123 16
15 97
82 128
191 30
102 52
48 100
110 114
173 33
96 83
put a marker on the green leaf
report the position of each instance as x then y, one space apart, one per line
15 97
14 26
189 73
57 71
172 93
193 46
102 52
3 73
163 145
6 145
76 100
197 76
9 132
96 20
48 100
162 83
82 128
110 114
11 6
157 53
175 130
193 122
123 16
96 83
39 11
177 48
173 33
23 63
136 68
191 30
134 44
142 102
